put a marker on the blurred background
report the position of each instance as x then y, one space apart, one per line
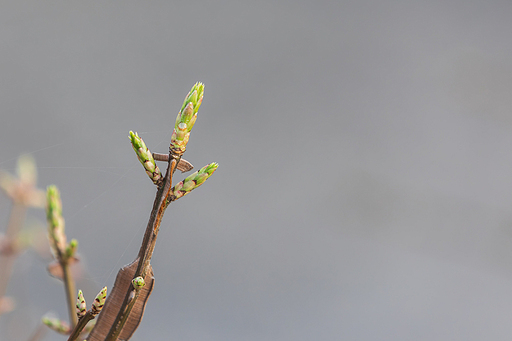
365 183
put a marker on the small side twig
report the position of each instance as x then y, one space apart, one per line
81 325
69 287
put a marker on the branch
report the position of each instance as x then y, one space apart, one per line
23 193
131 297
146 250
62 251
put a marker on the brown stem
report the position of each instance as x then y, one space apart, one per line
129 307
69 286
81 325
147 247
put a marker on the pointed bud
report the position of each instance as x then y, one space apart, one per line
71 248
81 306
145 157
138 282
55 221
195 96
187 115
192 181
99 301
186 119
57 325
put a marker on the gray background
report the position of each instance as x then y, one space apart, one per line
365 182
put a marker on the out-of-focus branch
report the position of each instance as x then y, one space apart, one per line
23 193
62 251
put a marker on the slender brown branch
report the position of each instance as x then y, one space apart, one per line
89 315
147 247
69 286
134 295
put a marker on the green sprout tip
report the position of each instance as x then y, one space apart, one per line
56 234
99 301
186 119
145 157
81 306
57 325
193 181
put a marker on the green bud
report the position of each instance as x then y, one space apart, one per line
57 325
136 141
192 181
192 98
54 204
195 96
55 220
81 306
186 119
71 248
138 282
212 167
99 301
186 116
145 157
188 185
201 178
